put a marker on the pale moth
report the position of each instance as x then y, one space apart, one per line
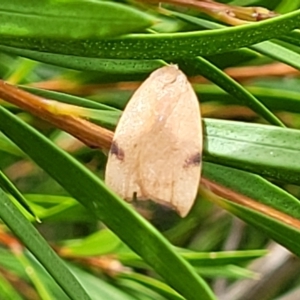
157 145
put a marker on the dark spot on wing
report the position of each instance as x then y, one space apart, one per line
161 215
117 151
193 160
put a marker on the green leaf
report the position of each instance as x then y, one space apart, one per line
154 285
261 149
232 58
228 271
163 46
114 66
236 90
292 37
287 6
279 53
7 185
9 147
34 277
69 99
282 233
113 211
70 19
25 231
261 191
199 259
220 258
100 289
255 187
267 48
52 207
278 98
99 243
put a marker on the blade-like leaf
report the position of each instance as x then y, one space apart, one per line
280 232
114 66
274 98
25 231
99 243
7 185
267 48
279 226
262 149
279 53
214 74
154 285
254 187
200 259
66 98
76 19
163 46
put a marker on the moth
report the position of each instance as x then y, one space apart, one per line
156 150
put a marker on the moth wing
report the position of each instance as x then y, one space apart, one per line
160 136
122 163
171 155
